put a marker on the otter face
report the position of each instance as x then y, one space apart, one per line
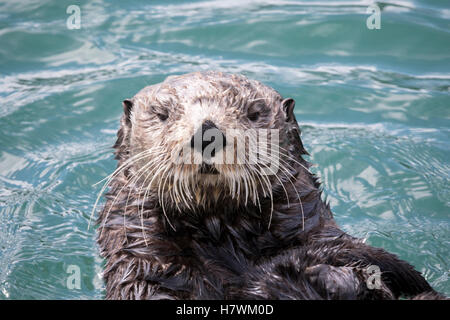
201 137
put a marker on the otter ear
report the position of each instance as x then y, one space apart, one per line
127 106
288 109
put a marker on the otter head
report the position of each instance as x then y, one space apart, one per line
198 139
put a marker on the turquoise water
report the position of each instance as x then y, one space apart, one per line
374 107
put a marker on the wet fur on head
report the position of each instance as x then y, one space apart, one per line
160 121
168 231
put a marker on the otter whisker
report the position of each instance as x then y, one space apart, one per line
269 187
141 212
281 183
178 191
287 154
135 179
119 193
162 197
144 198
295 189
118 170
176 195
254 188
185 189
256 195
161 167
280 158
131 180
252 184
266 184
245 178
127 162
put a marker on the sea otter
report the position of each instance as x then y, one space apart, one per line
177 224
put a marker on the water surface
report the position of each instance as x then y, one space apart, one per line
373 105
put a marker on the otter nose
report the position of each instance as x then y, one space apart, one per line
208 139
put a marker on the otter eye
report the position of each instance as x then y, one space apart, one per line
253 116
255 111
162 116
